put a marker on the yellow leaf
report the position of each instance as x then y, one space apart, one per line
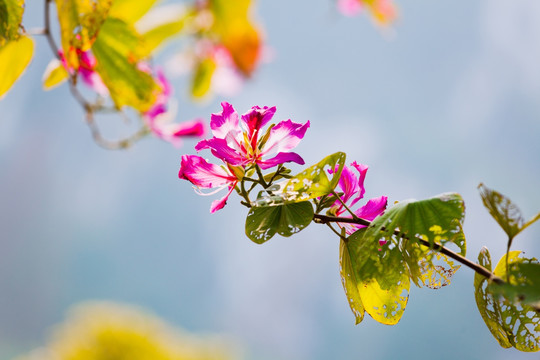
386 305
238 34
54 75
162 24
14 58
80 21
115 50
202 79
130 11
11 12
349 282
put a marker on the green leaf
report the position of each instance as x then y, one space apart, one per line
383 295
130 11
54 75
11 13
14 58
512 324
202 77
115 50
161 25
523 283
309 184
263 223
347 270
80 22
437 220
504 211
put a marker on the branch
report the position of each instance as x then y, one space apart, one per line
89 108
324 219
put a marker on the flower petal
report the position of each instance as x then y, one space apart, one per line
373 208
348 183
203 174
255 119
94 81
195 128
221 150
220 203
173 132
284 137
349 7
221 124
281 158
362 171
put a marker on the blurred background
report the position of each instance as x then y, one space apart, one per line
446 98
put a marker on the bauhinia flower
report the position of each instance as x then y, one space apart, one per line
159 117
242 142
205 175
353 190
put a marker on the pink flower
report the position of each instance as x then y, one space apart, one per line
353 190
243 143
205 175
160 120
86 70
382 11
349 7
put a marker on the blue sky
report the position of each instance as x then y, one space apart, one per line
446 99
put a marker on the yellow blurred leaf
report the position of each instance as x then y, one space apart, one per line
80 21
238 34
202 78
115 50
11 12
130 11
14 58
160 25
54 75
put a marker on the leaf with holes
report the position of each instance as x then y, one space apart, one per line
115 50
384 295
398 234
347 266
80 22
524 284
438 270
512 324
504 211
311 183
262 223
14 59
11 13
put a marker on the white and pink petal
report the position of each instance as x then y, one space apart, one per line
224 122
203 174
284 136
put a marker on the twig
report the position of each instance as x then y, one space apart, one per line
325 219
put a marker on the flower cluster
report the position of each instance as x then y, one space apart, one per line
353 190
242 144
